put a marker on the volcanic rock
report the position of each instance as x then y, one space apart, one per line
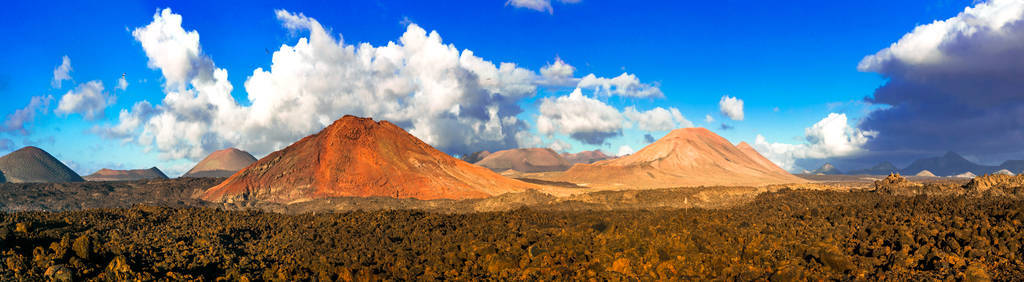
475 157
827 169
221 163
525 160
31 164
358 157
882 168
126 175
925 173
684 157
586 157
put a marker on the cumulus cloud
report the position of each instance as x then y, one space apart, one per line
951 79
624 150
649 138
584 119
88 100
17 121
657 119
128 122
452 99
731 107
174 51
62 72
626 85
560 146
828 138
708 119
558 73
537 5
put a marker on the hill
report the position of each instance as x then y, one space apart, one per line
475 157
525 160
32 165
586 157
827 169
359 157
221 163
126 175
883 168
684 157
949 164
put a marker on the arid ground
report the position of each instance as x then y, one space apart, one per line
816 232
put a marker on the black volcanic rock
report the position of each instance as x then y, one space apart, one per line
827 169
33 165
883 168
949 164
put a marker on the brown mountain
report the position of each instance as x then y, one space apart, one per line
525 160
126 175
358 157
31 164
586 157
221 163
684 157
475 157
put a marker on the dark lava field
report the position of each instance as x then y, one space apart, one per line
778 236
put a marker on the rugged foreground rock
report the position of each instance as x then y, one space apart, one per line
785 235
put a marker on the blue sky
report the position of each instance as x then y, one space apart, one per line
791 63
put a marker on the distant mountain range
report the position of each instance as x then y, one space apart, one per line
946 165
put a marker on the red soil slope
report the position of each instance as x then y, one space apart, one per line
525 160
126 175
684 157
221 163
362 158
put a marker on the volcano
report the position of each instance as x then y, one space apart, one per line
221 163
684 157
525 160
586 157
126 175
360 157
33 165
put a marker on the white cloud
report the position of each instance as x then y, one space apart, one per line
122 83
451 99
560 146
708 118
128 122
61 72
16 122
585 119
624 150
537 5
173 51
931 43
626 85
830 137
657 119
558 73
87 99
731 107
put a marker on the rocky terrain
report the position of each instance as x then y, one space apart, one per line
93 194
780 236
